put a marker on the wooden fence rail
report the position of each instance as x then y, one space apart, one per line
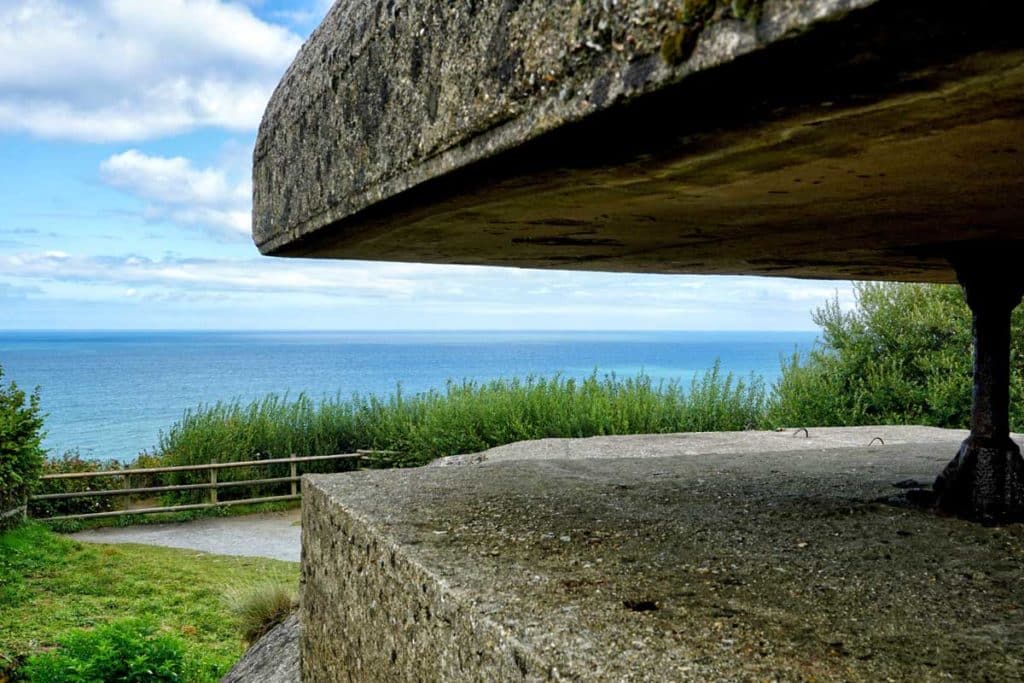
212 486
20 510
206 466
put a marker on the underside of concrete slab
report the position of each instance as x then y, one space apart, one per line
853 139
703 560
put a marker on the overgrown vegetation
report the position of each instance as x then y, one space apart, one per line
901 356
21 452
69 462
464 418
130 650
51 587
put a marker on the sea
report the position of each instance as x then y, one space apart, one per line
109 394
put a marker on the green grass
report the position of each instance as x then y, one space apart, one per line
50 585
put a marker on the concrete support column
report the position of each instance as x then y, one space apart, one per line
985 481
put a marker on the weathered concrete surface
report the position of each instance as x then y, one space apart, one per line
698 443
829 138
274 658
758 565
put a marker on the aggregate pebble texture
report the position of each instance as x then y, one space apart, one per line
714 136
756 563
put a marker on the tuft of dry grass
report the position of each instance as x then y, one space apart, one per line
259 607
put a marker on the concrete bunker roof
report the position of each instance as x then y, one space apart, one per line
852 139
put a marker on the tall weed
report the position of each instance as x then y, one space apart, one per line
464 417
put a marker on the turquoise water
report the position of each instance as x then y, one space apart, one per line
109 394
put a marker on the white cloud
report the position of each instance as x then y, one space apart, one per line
108 70
231 221
236 275
180 191
433 295
170 179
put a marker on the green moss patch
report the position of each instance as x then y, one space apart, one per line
694 16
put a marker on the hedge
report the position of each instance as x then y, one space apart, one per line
21 451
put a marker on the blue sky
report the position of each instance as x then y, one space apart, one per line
126 131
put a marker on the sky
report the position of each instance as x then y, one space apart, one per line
126 134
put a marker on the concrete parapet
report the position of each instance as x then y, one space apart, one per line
738 564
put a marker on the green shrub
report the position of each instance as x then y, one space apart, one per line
129 651
71 461
260 607
901 356
21 452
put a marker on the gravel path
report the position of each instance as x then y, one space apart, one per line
275 535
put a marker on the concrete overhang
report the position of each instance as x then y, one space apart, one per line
853 139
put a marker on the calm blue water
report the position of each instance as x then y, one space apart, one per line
110 394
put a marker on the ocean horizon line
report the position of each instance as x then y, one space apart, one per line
395 330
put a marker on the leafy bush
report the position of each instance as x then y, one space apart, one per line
464 418
130 651
21 452
50 585
901 356
71 461
260 607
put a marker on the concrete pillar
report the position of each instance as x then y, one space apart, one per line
985 481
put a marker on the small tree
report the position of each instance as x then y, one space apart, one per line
901 356
21 436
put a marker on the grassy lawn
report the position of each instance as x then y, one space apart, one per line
50 585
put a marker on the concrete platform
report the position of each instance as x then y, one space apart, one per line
755 556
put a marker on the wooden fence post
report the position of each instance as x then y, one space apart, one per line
213 482
295 473
127 488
